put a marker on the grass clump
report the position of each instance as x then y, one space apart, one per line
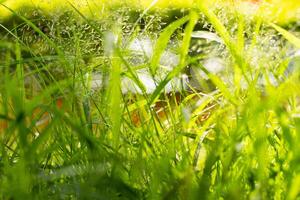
78 119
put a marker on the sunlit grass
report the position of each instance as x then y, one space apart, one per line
70 129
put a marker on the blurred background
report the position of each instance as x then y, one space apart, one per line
281 11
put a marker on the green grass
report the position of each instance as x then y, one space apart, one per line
236 139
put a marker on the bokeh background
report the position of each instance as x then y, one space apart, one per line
281 11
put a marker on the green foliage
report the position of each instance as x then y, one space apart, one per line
62 138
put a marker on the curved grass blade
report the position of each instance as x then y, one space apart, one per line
287 35
220 85
193 18
228 40
163 41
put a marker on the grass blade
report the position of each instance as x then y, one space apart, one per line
163 41
193 18
287 35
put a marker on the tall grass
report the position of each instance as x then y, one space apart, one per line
62 138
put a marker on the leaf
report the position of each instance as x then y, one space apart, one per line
287 35
115 98
163 41
220 85
193 18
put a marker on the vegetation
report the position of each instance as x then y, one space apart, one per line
199 102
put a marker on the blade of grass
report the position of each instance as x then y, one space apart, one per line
20 72
162 42
224 34
287 35
115 98
193 18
